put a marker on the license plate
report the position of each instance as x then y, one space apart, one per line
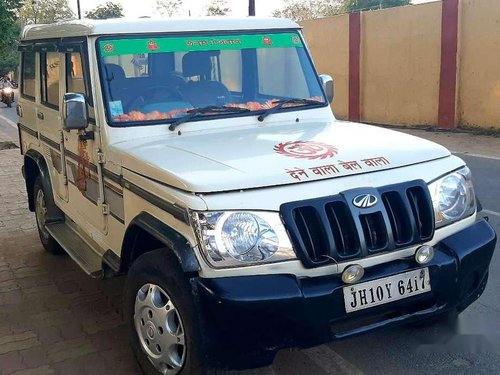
392 288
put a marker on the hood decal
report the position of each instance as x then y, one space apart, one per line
362 165
306 150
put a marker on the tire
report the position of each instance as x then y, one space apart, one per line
9 104
160 316
41 208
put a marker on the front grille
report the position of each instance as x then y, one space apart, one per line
331 229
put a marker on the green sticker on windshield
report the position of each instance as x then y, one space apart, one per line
126 46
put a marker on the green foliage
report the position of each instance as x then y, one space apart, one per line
9 32
359 5
300 10
45 11
105 11
217 8
168 8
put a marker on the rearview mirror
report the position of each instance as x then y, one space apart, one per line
75 111
327 83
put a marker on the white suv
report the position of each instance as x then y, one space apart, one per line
201 158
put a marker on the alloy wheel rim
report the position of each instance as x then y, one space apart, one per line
159 328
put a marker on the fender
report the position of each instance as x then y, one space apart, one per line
163 233
30 175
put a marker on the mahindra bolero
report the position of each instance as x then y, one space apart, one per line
201 159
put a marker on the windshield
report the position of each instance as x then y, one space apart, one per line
162 79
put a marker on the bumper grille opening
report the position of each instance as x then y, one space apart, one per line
344 230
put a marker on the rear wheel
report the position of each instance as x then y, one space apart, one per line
41 209
160 316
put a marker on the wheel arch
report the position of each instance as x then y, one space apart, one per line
34 166
146 233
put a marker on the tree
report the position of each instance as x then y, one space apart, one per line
217 8
45 11
105 11
300 10
168 8
359 5
9 30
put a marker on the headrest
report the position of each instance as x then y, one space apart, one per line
197 63
114 72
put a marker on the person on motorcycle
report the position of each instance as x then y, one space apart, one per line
7 91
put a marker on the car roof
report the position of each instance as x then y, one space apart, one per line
86 27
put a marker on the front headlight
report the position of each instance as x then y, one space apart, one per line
453 197
242 238
7 90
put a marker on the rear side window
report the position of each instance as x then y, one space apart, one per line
28 75
50 65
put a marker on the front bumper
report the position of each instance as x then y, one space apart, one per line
246 319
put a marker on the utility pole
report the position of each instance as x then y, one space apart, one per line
251 7
79 12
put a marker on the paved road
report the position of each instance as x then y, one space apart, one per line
54 319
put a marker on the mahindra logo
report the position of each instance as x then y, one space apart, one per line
364 200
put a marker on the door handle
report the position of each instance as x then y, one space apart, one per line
40 115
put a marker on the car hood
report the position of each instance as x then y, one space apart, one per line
226 160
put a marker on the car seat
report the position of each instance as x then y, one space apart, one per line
202 92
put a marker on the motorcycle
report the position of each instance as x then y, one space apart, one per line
8 96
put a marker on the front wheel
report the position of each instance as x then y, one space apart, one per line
160 316
41 209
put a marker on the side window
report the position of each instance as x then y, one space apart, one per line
28 75
50 66
74 73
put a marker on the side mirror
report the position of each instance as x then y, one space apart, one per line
75 112
327 83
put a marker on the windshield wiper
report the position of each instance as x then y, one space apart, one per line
281 103
192 113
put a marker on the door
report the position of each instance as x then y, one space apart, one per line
86 192
48 112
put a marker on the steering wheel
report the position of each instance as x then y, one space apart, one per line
155 94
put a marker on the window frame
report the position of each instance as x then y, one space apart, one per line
62 45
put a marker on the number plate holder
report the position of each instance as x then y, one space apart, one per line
388 289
